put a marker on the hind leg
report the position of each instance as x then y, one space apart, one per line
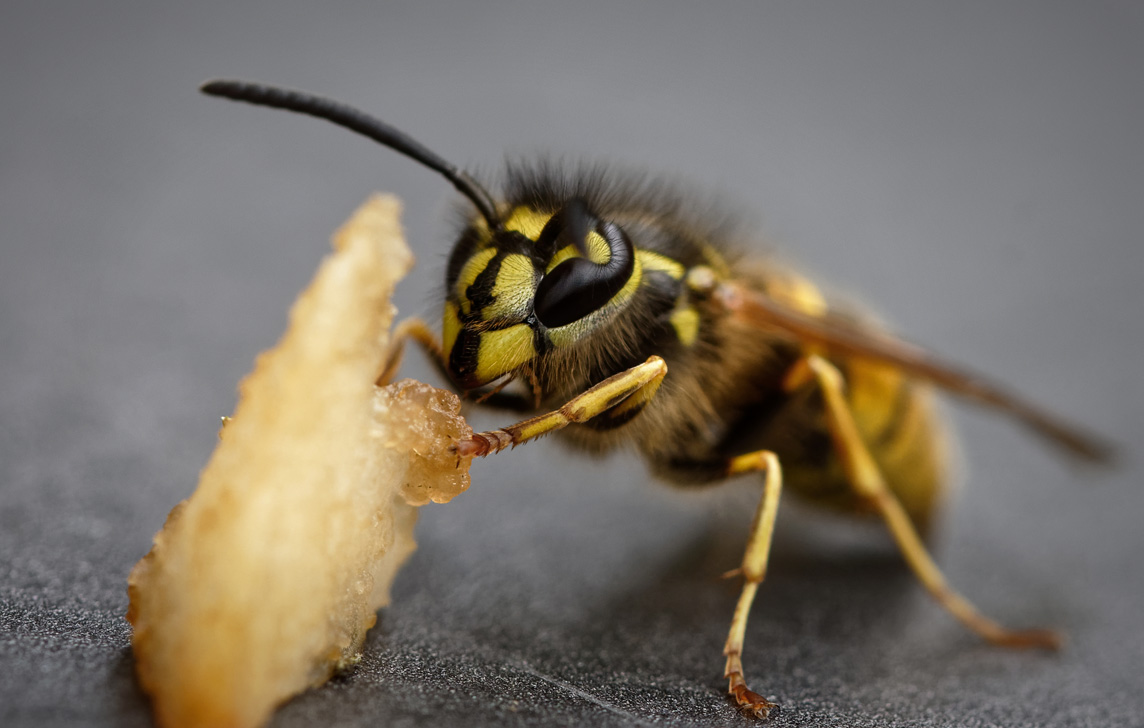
864 476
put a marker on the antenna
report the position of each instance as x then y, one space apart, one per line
364 124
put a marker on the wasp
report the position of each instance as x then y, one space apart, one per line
626 317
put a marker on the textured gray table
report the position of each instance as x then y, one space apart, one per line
974 171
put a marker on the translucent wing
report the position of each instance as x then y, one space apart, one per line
841 338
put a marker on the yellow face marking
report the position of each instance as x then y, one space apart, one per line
503 350
685 321
527 222
477 263
450 328
597 252
513 290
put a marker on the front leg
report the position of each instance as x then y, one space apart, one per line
619 397
419 331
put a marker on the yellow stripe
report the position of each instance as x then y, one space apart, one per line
527 222
630 287
685 321
477 263
503 350
907 426
450 329
598 252
873 389
514 289
539 428
661 263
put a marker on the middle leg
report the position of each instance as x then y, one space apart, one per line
753 570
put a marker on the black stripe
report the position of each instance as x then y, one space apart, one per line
480 292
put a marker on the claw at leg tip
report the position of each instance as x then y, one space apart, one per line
1043 639
754 704
466 448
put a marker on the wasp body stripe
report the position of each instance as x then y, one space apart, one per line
654 261
905 435
685 323
904 414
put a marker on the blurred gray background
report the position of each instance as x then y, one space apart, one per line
974 170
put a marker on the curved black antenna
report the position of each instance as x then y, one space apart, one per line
364 124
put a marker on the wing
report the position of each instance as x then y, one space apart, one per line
841 338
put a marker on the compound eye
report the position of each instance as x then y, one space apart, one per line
579 286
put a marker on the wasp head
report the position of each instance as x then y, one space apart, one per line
542 281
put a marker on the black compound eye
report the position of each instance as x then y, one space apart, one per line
578 286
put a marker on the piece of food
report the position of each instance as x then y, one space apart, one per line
265 581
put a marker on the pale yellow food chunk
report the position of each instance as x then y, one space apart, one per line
265 581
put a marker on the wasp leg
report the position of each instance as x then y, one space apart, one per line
622 395
419 331
867 481
753 569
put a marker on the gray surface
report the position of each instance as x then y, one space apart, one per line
976 171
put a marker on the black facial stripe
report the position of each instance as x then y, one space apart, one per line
480 293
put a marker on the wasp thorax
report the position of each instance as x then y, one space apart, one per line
530 287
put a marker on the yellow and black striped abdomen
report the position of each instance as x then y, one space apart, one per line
897 416
904 429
